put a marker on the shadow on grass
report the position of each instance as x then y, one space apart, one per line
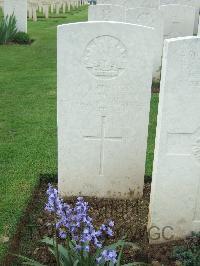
48 178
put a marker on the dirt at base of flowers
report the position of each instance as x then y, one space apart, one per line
130 219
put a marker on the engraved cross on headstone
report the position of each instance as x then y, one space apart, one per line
102 139
186 144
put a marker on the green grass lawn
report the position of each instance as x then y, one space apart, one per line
28 118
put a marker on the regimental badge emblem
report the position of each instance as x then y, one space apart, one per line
105 57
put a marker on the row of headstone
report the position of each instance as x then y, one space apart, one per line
104 90
177 13
144 16
51 6
169 21
20 8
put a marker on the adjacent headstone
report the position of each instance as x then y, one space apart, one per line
132 3
142 3
178 20
193 3
106 13
35 13
19 9
153 18
45 8
199 29
175 195
110 2
104 90
30 12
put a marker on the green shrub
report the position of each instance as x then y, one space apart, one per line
22 38
8 29
189 255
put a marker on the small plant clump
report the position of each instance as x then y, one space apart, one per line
189 255
8 29
9 33
76 241
22 38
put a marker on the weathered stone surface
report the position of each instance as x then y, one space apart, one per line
104 90
193 3
199 29
106 13
142 3
175 195
19 9
132 3
178 20
152 18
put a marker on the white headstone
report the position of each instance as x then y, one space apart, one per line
104 90
199 29
45 8
106 13
175 195
142 3
193 3
178 20
19 9
132 3
110 2
152 18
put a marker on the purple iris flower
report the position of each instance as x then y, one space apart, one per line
108 256
76 224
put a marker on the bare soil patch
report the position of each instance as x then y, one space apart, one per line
130 219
